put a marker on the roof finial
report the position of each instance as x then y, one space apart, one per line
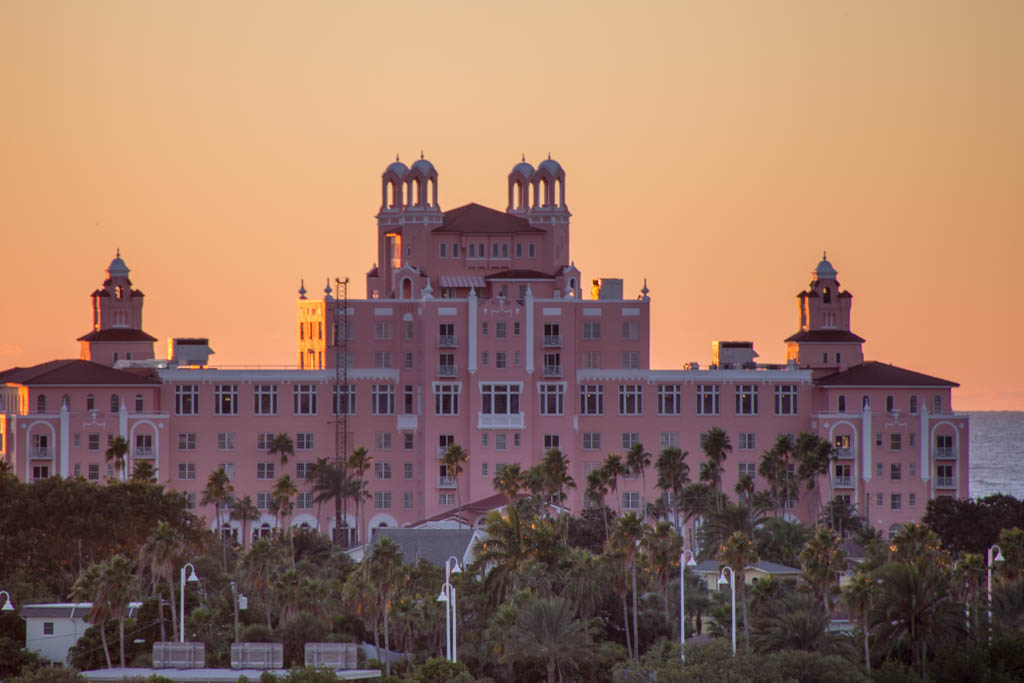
421 154
549 156
119 252
396 157
824 255
524 157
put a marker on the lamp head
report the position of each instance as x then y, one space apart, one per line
192 578
8 607
443 597
456 569
999 555
691 562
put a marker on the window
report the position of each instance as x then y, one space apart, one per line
500 443
483 358
630 359
895 471
878 469
912 470
115 403
483 469
47 628
630 500
305 399
382 440
630 439
264 440
841 404
408 331
913 405
225 441
532 249
912 500
344 399
551 441
937 405
186 441
303 441
446 499
407 441
894 442
515 440
407 500
592 330
265 399
516 358
911 439
40 471
830 316
139 403
500 330
895 501
382 359
944 476
444 249
591 359
408 360
225 399
494 251
484 328
186 399
519 250
263 501
382 399
303 470
630 399
41 403
90 402
264 470
890 404
591 399
843 475
484 436
878 499
748 469
746 399
446 399
499 399
500 361
229 469
591 441
382 470
94 442
670 400
669 440
304 500
407 470
382 330
94 472
878 439
630 330
707 399
516 326
382 500
552 398
552 365
785 399
746 441
186 471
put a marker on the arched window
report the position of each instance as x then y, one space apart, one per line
140 404
826 295
90 402
494 251
480 251
890 403
120 292
406 288
41 403
504 251
115 403
913 405
472 250
937 405
865 402
841 403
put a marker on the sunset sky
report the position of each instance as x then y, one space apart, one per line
715 148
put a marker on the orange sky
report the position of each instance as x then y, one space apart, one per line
231 148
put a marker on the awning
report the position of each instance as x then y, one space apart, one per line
462 281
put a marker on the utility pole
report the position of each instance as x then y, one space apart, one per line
234 603
341 393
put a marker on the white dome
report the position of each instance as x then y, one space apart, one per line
825 271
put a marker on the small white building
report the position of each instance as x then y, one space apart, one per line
51 629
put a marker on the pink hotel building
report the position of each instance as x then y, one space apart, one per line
477 329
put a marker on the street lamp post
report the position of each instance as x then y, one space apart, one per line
732 586
192 578
997 558
443 597
683 562
8 607
451 566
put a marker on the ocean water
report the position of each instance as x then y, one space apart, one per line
997 453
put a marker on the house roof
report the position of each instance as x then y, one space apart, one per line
64 610
826 336
475 219
73 371
433 545
520 275
875 374
117 334
771 568
470 510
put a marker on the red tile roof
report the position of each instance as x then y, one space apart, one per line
875 374
117 334
825 336
74 371
520 275
474 219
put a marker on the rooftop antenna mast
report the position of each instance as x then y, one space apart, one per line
342 398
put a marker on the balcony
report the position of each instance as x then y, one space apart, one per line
447 340
407 423
844 453
445 370
945 482
552 370
843 482
500 421
446 482
143 451
41 452
945 452
552 340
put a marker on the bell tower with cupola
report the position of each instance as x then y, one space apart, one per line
825 342
116 320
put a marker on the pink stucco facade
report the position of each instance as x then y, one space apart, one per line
478 329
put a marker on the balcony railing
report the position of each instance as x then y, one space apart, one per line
500 421
945 452
844 452
945 482
446 340
143 451
446 482
843 482
552 340
40 452
552 370
445 370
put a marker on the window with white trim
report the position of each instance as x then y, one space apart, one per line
407 470
670 400
229 469
382 359
304 500
895 441
592 329
895 471
785 399
630 360
446 398
344 399
382 330
630 330
186 441
500 443
591 441
591 399
499 399
382 440
669 440
265 470
592 359
186 399
631 399
305 399
382 470
630 439
552 441
446 499
630 500
552 398
225 399
746 441
303 441
707 399
382 399
186 471
304 470
500 360
225 441
265 399
895 501
746 399
500 330
407 500
382 500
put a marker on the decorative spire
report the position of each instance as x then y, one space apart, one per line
549 156
427 291
824 255
327 290
645 291
524 157
421 154
396 157
118 252
302 289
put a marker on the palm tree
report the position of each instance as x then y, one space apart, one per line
716 449
857 596
509 481
243 510
116 451
613 469
555 471
144 472
628 533
91 587
281 505
597 491
814 455
282 445
821 562
739 553
662 545
258 567
328 483
673 475
218 492
694 503
745 489
969 578
638 460
547 630
796 623
361 462
160 554
385 571
453 459
118 589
